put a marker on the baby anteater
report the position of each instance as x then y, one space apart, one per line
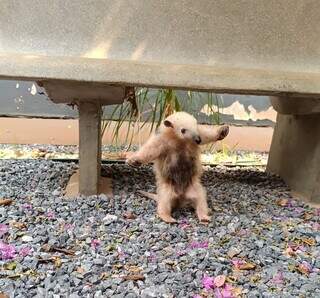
175 151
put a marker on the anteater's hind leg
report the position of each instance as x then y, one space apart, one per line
197 194
165 199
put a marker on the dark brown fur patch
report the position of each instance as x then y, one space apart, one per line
178 169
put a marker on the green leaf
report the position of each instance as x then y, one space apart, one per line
10 265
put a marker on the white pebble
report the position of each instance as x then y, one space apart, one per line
26 238
109 218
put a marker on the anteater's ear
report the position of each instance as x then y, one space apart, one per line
167 123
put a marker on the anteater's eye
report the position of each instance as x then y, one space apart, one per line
183 130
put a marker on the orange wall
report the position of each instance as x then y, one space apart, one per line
65 132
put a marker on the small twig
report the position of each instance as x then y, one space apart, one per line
63 250
11 277
55 260
134 277
45 261
49 248
5 202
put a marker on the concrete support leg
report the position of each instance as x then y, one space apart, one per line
89 147
295 154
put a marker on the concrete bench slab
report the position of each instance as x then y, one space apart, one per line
250 47
230 46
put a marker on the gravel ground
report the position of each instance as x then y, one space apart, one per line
209 155
61 148
260 243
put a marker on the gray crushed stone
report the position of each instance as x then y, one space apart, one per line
248 223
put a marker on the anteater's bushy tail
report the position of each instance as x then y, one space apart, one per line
152 196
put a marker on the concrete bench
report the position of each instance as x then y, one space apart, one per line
89 52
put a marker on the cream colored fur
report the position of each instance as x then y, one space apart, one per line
175 151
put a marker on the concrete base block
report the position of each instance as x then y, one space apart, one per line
72 189
295 154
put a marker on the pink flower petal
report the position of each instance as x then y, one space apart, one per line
291 203
7 251
199 244
292 249
196 296
242 232
306 267
278 279
219 281
181 253
228 287
69 227
301 248
50 215
27 206
298 210
207 282
25 251
226 293
184 224
121 254
3 229
152 257
217 293
95 243
237 263
316 226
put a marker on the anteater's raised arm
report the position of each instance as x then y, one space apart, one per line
150 151
211 134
